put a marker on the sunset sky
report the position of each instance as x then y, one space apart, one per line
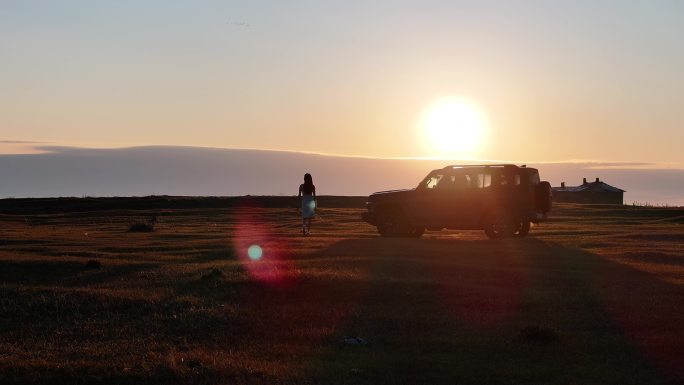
550 81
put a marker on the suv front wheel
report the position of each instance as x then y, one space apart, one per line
393 223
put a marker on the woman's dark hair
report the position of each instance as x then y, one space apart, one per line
308 186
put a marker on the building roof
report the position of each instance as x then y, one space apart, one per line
589 187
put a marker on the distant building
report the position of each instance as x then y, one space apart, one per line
594 192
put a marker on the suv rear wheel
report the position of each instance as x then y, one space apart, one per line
416 232
501 226
522 230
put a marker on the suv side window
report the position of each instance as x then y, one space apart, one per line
500 179
483 180
472 179
505 179
461 181
446 183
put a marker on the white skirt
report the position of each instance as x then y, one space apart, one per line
308 206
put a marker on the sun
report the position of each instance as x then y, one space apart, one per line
454 127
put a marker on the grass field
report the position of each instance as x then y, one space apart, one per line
592 297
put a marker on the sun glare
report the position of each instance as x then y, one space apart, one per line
454 127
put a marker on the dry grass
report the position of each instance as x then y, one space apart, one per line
591 297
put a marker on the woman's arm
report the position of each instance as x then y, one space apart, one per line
299 197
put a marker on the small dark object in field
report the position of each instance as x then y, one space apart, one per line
192 364
538 335
214 273
33 221
354 341
93 264
141 227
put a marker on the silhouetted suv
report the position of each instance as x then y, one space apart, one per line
500 199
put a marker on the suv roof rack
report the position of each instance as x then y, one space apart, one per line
481 165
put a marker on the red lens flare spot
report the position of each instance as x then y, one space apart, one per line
264 256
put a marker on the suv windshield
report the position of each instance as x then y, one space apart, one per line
432 181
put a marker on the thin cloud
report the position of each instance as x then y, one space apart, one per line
242 24
20 142
18 147
578 163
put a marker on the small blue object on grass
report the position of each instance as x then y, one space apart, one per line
354 341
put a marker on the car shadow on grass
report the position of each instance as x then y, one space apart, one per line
504 311
437 311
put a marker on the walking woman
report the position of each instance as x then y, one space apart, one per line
307 201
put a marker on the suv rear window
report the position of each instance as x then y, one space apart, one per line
534 177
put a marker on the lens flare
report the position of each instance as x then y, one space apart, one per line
255 252
264 256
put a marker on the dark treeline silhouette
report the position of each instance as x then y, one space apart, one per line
57 205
